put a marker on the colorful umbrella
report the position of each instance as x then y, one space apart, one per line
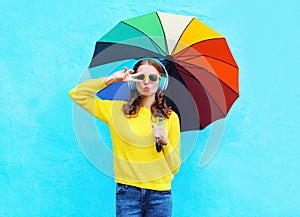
203 75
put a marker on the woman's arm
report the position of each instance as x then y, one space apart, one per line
83 95
172 149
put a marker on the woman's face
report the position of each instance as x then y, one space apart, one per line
147 87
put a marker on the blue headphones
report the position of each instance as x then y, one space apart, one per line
163 83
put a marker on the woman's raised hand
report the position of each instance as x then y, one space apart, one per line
124 75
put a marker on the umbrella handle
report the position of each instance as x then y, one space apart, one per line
158 145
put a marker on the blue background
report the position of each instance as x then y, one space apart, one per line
46 45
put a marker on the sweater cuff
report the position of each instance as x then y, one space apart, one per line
167 148
102 83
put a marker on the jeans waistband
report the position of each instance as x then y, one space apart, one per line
127 186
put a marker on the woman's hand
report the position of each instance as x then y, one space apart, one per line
158 132
121 76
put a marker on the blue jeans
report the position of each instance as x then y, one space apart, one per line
139 202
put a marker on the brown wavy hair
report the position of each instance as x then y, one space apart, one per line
159 107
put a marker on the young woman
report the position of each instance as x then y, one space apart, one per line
143 174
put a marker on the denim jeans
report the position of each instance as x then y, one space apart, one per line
139 202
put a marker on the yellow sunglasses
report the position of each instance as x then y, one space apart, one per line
150 77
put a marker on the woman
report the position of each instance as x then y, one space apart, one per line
143 174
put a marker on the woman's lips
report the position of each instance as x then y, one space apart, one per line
146 89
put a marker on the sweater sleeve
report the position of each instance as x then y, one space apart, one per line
83 95
172 149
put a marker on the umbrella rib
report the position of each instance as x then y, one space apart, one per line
158 49
183 51
195 56
194 66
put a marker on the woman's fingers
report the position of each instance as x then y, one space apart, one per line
137 74
133 78
158 131
127 75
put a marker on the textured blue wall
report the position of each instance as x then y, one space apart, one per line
46 45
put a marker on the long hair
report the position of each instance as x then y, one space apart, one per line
159 108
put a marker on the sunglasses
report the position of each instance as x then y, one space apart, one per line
150 77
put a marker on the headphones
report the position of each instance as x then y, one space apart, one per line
163 83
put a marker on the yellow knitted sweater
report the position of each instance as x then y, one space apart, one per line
136 161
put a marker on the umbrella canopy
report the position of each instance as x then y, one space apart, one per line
203 75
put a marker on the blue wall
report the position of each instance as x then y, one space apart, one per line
46 45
